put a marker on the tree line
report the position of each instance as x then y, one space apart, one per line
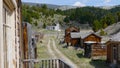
98 18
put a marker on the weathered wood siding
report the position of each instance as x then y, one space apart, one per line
25 45
68 38
96 48
74 41
113 51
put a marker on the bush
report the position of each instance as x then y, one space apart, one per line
102 33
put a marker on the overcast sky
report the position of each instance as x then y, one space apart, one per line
78 2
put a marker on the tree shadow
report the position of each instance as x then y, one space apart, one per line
99 63
80 55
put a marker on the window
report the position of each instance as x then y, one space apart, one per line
5 37
6 27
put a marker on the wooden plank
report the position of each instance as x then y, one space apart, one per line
49 64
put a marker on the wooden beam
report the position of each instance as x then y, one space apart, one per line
9 4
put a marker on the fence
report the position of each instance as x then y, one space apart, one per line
45 63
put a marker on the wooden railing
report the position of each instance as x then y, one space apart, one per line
46 63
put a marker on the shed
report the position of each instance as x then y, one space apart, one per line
113 49
67 37
92 46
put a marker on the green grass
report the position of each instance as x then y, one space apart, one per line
42 49
77 57
74 55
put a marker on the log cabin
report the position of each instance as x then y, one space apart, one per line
113 50
92 46
67 36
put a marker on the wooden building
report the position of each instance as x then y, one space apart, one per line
29 45
92 46
75 39
10 33
68 39
113 50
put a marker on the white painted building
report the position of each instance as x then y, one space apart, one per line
54 27
10 33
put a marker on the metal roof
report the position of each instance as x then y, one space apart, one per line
75 35
116 37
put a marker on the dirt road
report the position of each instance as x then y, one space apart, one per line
56 53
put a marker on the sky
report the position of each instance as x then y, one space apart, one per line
78 2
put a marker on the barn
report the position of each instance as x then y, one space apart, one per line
113 50
93 48
67 38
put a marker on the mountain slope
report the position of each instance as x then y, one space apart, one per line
51 6
112 29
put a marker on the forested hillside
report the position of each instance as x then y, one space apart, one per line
98 18
41 15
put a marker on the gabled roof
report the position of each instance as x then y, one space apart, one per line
88 34
72 28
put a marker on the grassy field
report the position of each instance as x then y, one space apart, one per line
77 57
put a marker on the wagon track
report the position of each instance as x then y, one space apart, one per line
56 53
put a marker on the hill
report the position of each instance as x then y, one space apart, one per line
51 6
112 29
96 17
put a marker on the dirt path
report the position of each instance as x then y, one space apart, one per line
50 50
56 53
62 56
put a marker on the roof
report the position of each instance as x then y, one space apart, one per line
75 34
116 37
83 36
72 29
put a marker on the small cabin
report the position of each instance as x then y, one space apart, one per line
55 27
68 39
113 52
92 46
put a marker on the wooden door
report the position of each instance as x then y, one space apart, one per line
88 50
115 54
